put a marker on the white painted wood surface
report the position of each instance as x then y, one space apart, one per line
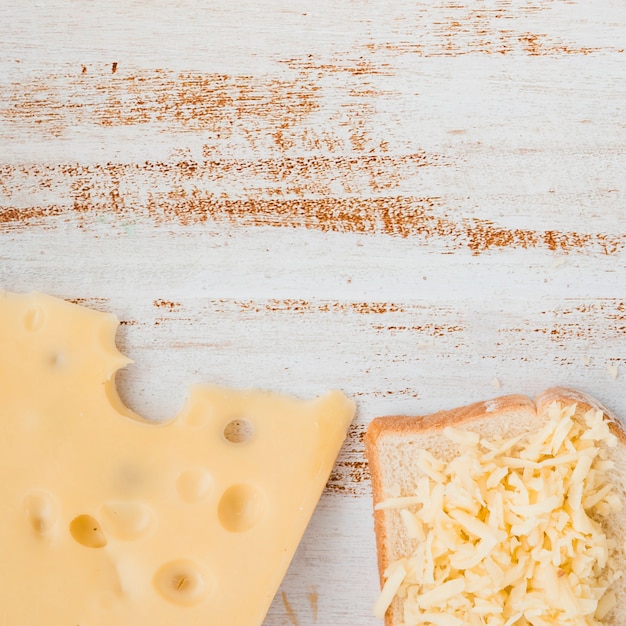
421 203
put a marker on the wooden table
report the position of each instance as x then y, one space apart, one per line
420 203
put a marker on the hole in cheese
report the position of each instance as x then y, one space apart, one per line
87 531
238 431
127 520
240 508
41 511
57 359
34 319
194 484
181 582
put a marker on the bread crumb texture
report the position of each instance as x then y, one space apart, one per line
510 532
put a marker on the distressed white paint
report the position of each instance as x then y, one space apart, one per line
518 107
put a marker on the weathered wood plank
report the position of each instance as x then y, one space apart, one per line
418 202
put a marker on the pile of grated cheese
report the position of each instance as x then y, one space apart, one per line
509 533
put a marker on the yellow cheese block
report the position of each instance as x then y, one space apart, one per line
107 519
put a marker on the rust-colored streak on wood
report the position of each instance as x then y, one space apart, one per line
483 235
463 28
611 308
583 324
376 307
406 392
424 219
348 477
502 43
167 304
291 614
305 306
313 598
351 476
89 302
339 65
580 321
100 304
119 187
560 333
186 100
541 45
274 305
389 215
434 330
28 215
173 318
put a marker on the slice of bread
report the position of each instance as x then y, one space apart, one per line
393 446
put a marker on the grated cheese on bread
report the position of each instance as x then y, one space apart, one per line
503 513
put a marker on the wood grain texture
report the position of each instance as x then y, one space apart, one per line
421 203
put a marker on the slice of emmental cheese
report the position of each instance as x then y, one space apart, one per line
108 519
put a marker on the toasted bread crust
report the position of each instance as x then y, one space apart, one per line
401 425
